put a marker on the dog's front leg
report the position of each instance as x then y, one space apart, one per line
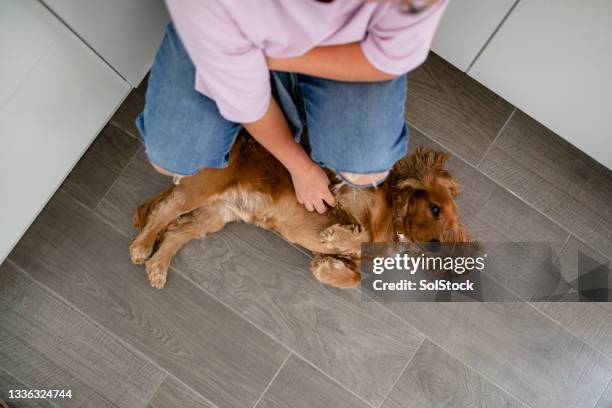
336 271
344 239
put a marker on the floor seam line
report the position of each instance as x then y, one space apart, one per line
497 136
117 338
94 210
335 381
603 392
65 191
117 124
483 375
154 393
588 343
273 379
403 371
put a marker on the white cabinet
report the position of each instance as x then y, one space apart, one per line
465 28
55 96
125 33
553 60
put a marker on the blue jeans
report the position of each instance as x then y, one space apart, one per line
352 127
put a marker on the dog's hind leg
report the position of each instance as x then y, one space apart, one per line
160 215
192 193
339 272
196 224
141 216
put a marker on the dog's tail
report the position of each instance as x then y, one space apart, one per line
141 216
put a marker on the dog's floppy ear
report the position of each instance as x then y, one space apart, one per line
441 158
412 183
445 179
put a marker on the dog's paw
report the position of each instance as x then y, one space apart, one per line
328 236
139 252
344 239
157 271
335 272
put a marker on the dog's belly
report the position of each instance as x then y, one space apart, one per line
240 205
283 215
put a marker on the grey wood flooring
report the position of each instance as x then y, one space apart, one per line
171 393
435 379
44 341
605 400
187 332
95 173
242 323
125 117
454 109
556 178
300 385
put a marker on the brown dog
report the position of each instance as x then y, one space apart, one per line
415 203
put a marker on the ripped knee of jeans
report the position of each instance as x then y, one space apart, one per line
365 180
176 178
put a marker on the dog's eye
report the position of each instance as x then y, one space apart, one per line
435 210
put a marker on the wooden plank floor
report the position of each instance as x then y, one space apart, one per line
242 323
435 378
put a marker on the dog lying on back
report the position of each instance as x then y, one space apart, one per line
415 204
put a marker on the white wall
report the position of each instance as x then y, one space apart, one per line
465 28
55 96
126 33
553 60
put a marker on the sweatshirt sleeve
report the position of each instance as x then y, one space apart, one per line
230 69
397 42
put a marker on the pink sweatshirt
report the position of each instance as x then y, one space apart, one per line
228 40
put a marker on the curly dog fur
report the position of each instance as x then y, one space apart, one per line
415 203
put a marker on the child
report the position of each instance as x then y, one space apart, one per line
275 66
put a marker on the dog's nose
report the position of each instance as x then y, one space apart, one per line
434 245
